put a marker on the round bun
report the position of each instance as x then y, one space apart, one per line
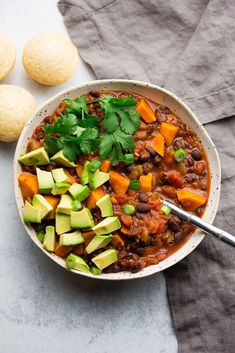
7 56
50 58
16 107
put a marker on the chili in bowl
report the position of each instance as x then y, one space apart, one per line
92 169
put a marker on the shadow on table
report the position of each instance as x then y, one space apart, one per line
6 148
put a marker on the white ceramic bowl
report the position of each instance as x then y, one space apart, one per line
161 96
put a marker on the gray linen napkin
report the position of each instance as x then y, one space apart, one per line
185 46
189 48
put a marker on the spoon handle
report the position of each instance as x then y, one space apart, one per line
200 223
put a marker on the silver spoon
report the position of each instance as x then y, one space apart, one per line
199 223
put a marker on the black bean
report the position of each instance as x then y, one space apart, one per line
151 151
174 223
135 245
178 236
150 129
94 93
125 95
157 160
151 240
51 166
30 169
145 155
48 120
190 178
130 169
143 196
196 154
178 143
191 169
40 136
140 215
73 171
147 167
165 179
135 266
143 207
190 161
164 109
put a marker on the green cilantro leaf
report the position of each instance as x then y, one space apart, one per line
89 121
76 106
119 110
130 121
89 140
120 102
110 124
76 131
71 151
106 145
113 145
126 141
62 126
52 145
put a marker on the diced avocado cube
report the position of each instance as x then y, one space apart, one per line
97 179
82 219
40 236
105 259
108 225
36 157
49 238
31 213
98 242
76 205
45 181
85 174
105 206
71 239
59 175
41 203
77 263
60 188
79 192
60 158
65 204
95 270
62 223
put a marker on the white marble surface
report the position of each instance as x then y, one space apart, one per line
42 307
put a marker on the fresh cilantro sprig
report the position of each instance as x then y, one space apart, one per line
120 111
76 131
113 145
120 122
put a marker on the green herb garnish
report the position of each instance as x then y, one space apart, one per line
76 132
120 112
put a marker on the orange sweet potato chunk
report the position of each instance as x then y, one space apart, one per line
94 196
28 184
118 182
146 182
158 144
145 111
53 201
190 199
169 131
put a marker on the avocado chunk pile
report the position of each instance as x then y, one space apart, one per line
71 217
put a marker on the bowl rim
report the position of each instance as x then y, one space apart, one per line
143 273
